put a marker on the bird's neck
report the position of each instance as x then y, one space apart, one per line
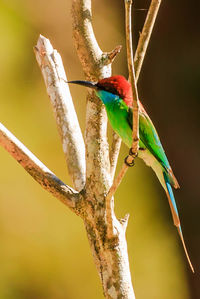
108 98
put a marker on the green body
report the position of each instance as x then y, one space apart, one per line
151 150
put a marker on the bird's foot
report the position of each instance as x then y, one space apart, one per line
129 161
132 154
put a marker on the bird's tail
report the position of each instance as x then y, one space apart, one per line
174 211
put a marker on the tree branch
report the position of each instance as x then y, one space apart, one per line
129 46
95 66
53 72
139 57
114 153
145 36
138 61
105 233
109 57
135 144
47 179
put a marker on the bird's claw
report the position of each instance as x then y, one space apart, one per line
132 154
129 164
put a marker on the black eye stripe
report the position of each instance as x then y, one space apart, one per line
109 88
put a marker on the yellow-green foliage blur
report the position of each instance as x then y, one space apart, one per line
44 251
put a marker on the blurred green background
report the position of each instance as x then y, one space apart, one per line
44 252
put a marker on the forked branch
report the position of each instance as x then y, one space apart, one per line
105 233
138 60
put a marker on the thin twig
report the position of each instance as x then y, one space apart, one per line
110 56
51 65
114 153
129 46
138 61
118 179
139 57
145 36
47 179
116 183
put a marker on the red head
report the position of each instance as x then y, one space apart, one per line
117 85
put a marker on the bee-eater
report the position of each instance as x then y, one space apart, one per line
116 94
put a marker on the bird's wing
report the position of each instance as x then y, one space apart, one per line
150 139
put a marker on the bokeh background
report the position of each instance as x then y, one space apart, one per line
44 252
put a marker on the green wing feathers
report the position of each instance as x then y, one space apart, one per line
151 140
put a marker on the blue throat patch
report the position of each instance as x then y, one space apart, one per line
107 97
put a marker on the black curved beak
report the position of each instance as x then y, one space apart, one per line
85 83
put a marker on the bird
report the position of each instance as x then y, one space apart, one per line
116 94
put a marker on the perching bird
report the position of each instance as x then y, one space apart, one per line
116 94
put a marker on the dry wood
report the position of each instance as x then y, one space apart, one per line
38 170
89 166
138 61
139 57
105 233
53 72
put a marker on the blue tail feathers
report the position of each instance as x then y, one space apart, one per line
171 194
171 200
174 210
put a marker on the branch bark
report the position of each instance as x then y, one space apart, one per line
47 179
105 233
53 72
92 60
114 153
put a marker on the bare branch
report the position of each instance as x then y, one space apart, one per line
53 72
124 221
93 63
139 57
110 56
129 46
91 56
138 61
145 36
135 144
95 66
105 233
114 153
111 259
47 179
114 187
